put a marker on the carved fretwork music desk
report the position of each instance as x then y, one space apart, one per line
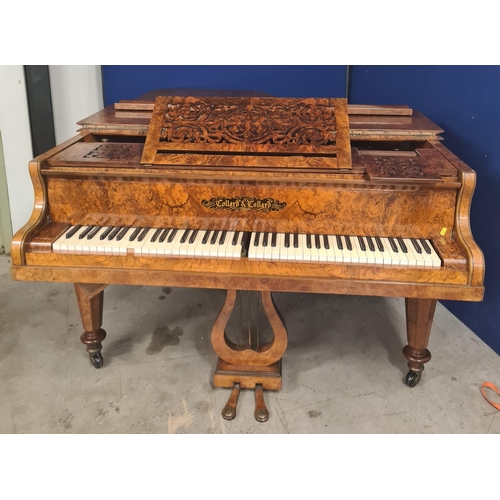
254 195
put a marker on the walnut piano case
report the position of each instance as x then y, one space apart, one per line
314 167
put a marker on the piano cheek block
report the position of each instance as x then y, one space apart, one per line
296 195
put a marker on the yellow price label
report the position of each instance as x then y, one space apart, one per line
443 231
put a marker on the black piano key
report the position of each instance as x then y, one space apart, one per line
105 233
380 245
193 236
236 236
143 234
326 243
265 239
163 235
205 237
274 240
362 243
85 232
295 240
94 232
113 233
171 236
425 245
214 238
156 235
133 236
184 237
244 240
122 233
371 246
317 241
348 243
308 241
71 232
393 245
222 237
255 241
340 246
416 246
287 240
402 245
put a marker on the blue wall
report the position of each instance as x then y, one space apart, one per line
463 100
129 82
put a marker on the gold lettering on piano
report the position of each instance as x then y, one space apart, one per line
244 203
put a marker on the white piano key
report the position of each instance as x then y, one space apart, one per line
123 243
362 254
73 244
252 248
267 251
174 246
376 254
352 255
404 258
59 245
137 245
191 249
334 254
413 261
199 246
432 259
93 242
394 256
306 252
314 250
323 251
279 253
184 246
259 247
213 243
286 253
234 251
436 260
162 242
419 258
221 247
223 251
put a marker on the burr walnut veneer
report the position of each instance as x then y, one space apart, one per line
255 164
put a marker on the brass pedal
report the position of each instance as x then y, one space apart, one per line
229 411
261 412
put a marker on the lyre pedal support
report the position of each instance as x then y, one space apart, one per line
249 363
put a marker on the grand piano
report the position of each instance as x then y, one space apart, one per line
254 194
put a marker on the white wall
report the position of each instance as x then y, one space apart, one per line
76 93
16 138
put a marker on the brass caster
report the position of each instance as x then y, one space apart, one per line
96 359
413 378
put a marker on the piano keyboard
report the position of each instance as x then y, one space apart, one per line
347 249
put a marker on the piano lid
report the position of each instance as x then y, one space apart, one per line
249 131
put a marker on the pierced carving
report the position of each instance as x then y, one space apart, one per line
396 166
244 203
237 127
118 152
217 120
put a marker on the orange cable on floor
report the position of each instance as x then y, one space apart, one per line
489 385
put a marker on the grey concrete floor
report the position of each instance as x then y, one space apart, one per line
342 373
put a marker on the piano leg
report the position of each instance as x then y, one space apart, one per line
90 301
419 316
